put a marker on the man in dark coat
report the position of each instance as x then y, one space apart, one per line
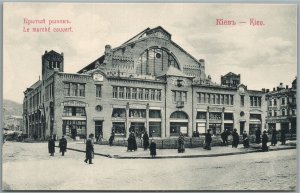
235 138
112 138
265 140
145 140
132 146
63 145
245 139
257 136
89 150
282 135
224 136
51 145
181 148
153 149
208 140
274 137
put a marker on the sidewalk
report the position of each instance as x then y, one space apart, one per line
120 152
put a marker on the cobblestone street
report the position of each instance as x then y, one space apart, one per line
27 166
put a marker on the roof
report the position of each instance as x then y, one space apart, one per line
147 31
53 56
93 64
230 74
172 71
36 84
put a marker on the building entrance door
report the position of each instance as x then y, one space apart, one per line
98 130
138 128
242 127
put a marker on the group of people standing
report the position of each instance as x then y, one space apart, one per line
132 144
62 145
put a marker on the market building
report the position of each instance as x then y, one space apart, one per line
149 83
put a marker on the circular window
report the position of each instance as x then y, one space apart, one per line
98 108
242 113
158 55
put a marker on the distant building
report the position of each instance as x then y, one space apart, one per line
149 83
231 79
14 123
282 108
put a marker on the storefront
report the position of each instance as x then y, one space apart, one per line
178 123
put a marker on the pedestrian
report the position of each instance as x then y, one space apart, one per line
132 146
257 136
89 150
51 145
181 143
63 145
245 139
145 140
208 140
235 138
224 137
153 149
265 140
274 137
112 138
283 137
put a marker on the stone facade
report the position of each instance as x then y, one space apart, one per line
149 83
282 108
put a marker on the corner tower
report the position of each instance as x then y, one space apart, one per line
52 61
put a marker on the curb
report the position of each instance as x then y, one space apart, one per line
179 156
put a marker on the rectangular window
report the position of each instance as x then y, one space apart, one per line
242 100
74 89
98 90
133 93
154 114
213 99
198 98
154 129
251 101
158 95
115 92
202 98
146 94
184 96
259 101
81 90
226 99
283 101
231 100
152 94
137 113
275 102
201 115
218 99
121 92
140 94
270 102
270 113
128 93
222 99
208 98
174 96
275 113
255 101
119 128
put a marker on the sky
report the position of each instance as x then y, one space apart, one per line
263 55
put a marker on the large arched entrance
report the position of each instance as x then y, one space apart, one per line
179 123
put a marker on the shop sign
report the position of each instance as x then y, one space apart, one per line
74 103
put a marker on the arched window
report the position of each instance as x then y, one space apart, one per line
154 61
179 115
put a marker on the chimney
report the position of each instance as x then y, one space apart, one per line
202 62
263 89
281 84
286 86
107 48
268 90
274 89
